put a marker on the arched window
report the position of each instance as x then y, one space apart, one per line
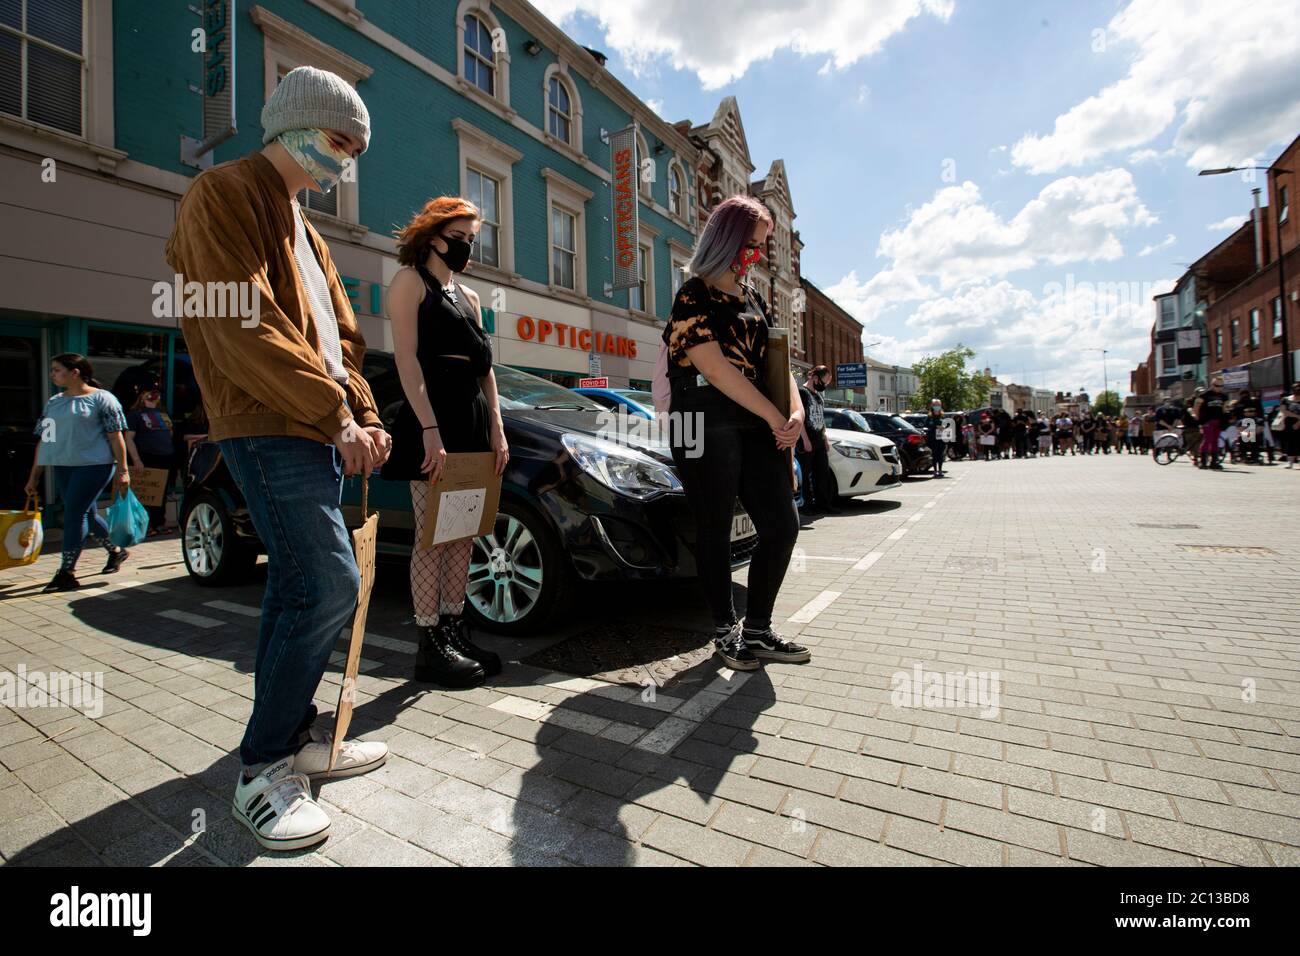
676 190
480 59
559 110
646 174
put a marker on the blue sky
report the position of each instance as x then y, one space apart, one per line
1016 176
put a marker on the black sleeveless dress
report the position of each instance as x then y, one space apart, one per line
446 326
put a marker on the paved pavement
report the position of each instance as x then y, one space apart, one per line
1127 638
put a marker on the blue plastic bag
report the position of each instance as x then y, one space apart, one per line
128 522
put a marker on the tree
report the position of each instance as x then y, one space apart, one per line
946 378
1108 403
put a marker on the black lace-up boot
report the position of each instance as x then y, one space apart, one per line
437 661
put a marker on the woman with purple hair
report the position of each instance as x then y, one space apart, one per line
717 351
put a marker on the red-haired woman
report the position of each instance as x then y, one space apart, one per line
444 359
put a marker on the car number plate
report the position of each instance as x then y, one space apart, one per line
742 526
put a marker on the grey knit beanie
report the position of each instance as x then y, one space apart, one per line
308 98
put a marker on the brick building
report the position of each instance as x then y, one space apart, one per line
1243 320
833 336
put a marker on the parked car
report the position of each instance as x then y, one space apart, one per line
642 404
634 400
862 463
574 506
913 452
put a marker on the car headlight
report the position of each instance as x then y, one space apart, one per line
856 451
622 469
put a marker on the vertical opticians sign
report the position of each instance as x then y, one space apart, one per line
622 154
218 72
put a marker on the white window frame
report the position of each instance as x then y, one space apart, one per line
679 256
646 244
95 76
560 72
1275 326
501 58
1255 328
675 166
493 158
563 193
286 46
1160 312
484 222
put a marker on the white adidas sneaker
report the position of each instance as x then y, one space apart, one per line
355 757
277 806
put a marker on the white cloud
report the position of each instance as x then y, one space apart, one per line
957 237
1222 74
657 106
721 39
1164 243
1232 222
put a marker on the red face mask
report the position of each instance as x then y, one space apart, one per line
744 259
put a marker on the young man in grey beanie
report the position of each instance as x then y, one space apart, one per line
292 414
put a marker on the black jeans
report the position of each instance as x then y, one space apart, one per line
738 458
816 465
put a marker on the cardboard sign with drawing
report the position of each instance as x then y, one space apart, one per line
465 499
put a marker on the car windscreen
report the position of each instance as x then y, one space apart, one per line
903 423
855 422
641 398
518 390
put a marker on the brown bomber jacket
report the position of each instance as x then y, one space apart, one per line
235 224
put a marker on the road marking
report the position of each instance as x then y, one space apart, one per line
144 586
673 730
389 643
867 560
895 535
917 517
814 607
245 609
185 617
931 504
818 557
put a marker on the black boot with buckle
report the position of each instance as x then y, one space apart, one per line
437 661
458 635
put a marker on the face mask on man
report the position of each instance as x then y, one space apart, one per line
313 150
819 384
457 254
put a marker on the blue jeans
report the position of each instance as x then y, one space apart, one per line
292 487
79 487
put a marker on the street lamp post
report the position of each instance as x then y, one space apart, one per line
1274 172
1105 384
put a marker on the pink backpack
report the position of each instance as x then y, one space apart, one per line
659 385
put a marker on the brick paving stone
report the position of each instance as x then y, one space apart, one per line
1121 728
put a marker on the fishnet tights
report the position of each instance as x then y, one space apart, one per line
438 575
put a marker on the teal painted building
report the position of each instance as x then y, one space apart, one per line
484 98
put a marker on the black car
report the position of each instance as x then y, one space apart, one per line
574 506
913 452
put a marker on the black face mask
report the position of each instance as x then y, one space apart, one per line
457 255
819 386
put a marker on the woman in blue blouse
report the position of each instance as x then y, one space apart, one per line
81 439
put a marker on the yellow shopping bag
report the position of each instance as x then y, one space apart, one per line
22 534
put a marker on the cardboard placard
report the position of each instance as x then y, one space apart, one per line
464 500
777 377
150 486
363 546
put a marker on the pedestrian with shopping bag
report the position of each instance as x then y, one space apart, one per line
936 436
288 407
444 361
81 441
150 445
717 336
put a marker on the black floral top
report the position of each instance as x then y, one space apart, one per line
702 313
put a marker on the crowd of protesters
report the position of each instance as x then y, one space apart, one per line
1211 427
